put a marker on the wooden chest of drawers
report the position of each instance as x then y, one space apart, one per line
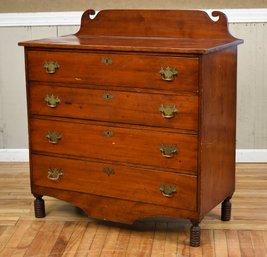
134 116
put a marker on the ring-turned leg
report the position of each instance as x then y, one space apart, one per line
195 234
39 206
226 209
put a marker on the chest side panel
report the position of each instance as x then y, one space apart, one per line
218 127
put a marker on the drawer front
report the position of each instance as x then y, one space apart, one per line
114 70
121 182
116 144
115 106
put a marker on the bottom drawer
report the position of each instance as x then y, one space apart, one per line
116 181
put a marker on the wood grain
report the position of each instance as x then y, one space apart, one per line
66 231
116 185
127 145
204 65
148 24
138 71
123 107
217 129
113 29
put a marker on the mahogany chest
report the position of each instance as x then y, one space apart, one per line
134 116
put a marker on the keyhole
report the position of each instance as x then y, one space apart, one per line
108 133
106 61
108 96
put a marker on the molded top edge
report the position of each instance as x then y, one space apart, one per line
165 31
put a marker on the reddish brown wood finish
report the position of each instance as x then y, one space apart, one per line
187 46
157 31
218 118
138 43
156 23
123 107
126 145
138 71
124 183
114 209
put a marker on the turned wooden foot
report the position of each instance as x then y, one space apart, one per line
195 235
39 206
226 209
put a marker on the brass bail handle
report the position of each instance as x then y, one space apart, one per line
168 111
168 150
52 100
168 73
55 174
167 190
51 67
53 137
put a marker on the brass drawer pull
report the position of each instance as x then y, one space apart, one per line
108 133
108 171
106 61
168 150
55 174
167 190
168 111
168 73
53 137
52 100
51 67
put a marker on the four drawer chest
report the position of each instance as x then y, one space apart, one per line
134 116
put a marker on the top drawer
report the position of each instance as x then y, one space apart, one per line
140 71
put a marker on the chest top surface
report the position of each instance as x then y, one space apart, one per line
172 31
